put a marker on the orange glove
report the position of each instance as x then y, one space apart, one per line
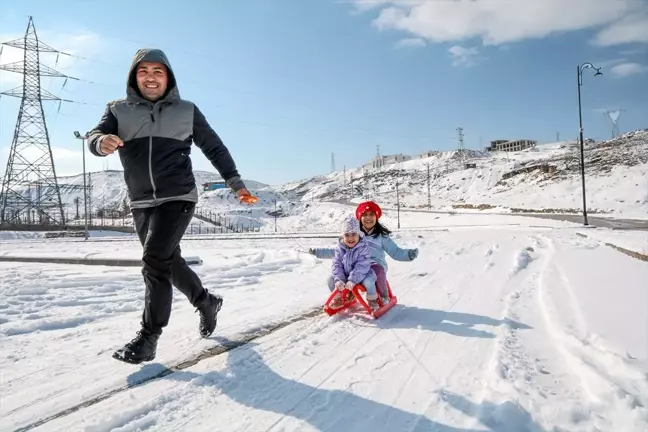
245 197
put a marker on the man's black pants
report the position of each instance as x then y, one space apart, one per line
160 230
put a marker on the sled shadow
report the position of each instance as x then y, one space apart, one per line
250 382
505 417
454 323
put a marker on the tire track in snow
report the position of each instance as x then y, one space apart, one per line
470 410
483 411
525 368
616 394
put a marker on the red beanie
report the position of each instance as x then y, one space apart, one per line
368 206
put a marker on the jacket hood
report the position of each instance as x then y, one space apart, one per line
151 55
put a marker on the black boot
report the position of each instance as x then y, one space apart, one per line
140 349
208 311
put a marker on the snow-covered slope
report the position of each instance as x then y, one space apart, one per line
542 178
109 189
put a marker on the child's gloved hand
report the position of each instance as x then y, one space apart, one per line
412 253
339 285
349 285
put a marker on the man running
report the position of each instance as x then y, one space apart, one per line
152 129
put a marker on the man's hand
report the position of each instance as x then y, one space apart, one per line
245 196
110 143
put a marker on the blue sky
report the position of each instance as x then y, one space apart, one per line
287 82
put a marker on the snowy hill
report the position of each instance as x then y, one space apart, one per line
543 178
109 189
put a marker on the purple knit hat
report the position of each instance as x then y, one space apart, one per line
351 225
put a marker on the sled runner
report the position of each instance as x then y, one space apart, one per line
356 297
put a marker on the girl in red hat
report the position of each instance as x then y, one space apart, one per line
379 241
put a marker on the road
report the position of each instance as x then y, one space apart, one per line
597 221
602 222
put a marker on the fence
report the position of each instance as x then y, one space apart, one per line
221 224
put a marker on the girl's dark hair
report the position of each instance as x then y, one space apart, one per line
379 229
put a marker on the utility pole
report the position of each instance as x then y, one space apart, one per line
77 135
428 186
30 155
90 198
614 118
398 204
275 214
460 145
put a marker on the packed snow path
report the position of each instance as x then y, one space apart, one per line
497 329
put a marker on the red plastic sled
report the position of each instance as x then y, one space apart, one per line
357 298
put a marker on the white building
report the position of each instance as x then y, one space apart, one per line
428 154
513 145
382 160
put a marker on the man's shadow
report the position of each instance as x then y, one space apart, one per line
505 417
249 381
454 323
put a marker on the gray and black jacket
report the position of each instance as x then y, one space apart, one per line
157 140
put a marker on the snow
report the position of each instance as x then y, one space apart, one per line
616 180
636 241
504 323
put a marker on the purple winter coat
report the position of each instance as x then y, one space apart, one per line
352 265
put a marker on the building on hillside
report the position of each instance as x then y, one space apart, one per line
495 143
213 185
511 145
428 154
382 160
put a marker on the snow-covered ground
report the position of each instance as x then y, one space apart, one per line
503 324
636 241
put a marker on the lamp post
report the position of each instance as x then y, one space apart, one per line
580 129
85 190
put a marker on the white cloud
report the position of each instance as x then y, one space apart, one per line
634 51
631 28
410 43
463 56
626 69
497 22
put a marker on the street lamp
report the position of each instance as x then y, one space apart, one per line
85 190
579 72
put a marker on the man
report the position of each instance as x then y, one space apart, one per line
152 129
